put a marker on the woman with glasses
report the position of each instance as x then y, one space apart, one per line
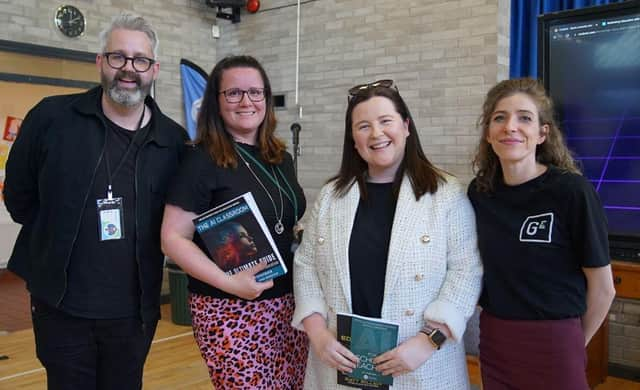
542 234
393 237
241 326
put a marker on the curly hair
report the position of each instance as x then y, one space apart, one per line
553 151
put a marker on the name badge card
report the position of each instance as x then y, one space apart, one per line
110 214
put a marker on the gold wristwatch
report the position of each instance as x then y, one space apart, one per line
435 335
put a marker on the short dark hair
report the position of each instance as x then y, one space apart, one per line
424 176
211 131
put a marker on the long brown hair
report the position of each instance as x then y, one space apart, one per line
211 131
423 175
552 151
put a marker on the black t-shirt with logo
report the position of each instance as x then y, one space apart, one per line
534 240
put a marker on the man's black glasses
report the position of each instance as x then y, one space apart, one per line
235 95
119 61
376 84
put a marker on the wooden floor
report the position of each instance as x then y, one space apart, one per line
14 310
174 362
612 383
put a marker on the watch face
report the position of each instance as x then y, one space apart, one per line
69 21
438 337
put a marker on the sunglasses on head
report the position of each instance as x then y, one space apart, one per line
353 91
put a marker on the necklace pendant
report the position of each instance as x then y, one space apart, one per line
279 227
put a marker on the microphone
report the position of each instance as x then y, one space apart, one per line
295 129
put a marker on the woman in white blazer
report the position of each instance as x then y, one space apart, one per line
393 237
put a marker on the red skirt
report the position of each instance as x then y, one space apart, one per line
535 355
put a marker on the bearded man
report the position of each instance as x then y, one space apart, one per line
86 179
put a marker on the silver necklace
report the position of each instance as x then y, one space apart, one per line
278 227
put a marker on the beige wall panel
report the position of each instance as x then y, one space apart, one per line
25 64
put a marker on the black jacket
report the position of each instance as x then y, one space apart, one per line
49 174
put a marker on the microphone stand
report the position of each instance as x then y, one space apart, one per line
295 129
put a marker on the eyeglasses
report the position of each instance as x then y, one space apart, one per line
119 61
376 84
235 95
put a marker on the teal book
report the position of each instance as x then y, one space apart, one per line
367 338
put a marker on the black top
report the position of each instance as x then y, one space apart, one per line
103 275
201 185
48 181
369 249
534 240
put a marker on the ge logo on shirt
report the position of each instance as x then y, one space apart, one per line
537 228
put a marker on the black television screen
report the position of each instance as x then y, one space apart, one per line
590 64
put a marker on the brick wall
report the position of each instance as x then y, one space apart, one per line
444 55
183 26
624 333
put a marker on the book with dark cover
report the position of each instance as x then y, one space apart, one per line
238 238
367 338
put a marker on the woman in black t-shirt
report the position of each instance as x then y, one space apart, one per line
542 235
241 326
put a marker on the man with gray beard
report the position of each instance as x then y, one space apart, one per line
86 179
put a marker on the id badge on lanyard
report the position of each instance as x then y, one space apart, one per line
110 209
110 217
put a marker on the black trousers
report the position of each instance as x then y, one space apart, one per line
88 354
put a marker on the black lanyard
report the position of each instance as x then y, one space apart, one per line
124 156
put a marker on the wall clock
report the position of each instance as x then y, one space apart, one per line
70 21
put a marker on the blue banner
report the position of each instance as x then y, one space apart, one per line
194 80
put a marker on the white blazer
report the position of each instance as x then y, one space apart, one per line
433 272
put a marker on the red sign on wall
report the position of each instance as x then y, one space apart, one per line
11 128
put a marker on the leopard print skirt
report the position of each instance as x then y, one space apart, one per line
249 344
